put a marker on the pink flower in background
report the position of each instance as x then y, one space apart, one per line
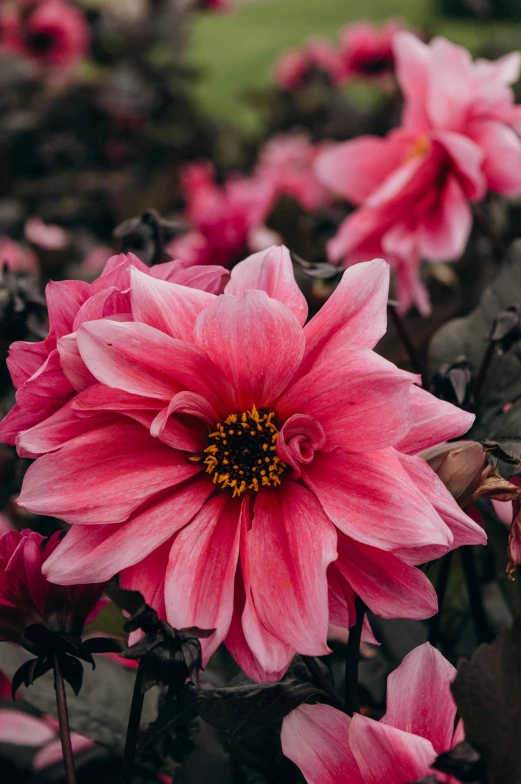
224 218
27 597
215 5
330 747
23 729
54 34
19 258
246 477
287 161
48 374
46 235
366 51
293 67
413 189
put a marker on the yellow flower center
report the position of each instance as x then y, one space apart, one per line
242 452
419 149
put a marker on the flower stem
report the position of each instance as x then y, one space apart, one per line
483 631
352 697
63 719
403 334
321 680
443 579
134 721
151 217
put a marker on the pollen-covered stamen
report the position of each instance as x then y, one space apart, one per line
242 452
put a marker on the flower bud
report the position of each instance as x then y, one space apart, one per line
460 467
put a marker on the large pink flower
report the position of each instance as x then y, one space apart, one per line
413 188
52 33
224 219
47 375
251 474
331 748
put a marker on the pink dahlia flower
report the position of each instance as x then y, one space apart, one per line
293 67
251 474
224 218
413 188
287 161
419 725
26 595
366 51
48 374
54 34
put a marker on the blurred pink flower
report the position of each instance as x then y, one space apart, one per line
247 476
45 235
48 374
287 161
223 218
413 188
95 260
19 258
26 595
215 5
366 51
329 746
54 33
292 68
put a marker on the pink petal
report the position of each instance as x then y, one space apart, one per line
47 390
449 88
419 699
288 566
466 162
255 341
184 423
73 366
298 440
271 271
171 308
52 753
341 599
199 586
24 360
359 398
98 397
389 587
25 564
464 530
94 553
433 422
105 303
502 149
64 299
355 315
354 169
56 430
445 229
412 72
22 729
103 476
207 277
15 421
385 754
144 361
117 272
148 577
316 739
364 495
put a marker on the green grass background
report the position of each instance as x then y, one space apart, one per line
235 51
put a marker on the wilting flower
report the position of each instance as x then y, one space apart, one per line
413 188
27 597
48 374
418 726
224 218
287 162
247 467
294 67
366 51
52 33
